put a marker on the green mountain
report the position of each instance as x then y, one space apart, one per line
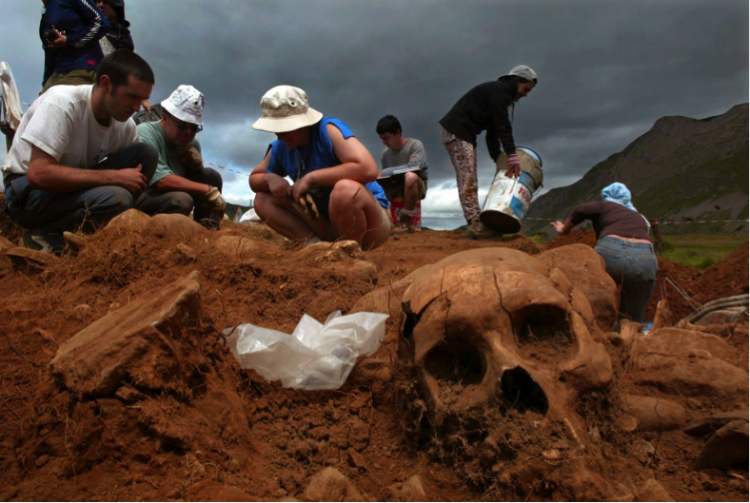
681 170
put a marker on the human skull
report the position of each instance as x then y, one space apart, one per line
495 327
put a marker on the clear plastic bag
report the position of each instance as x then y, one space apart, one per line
315 356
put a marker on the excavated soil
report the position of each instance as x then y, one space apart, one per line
233 436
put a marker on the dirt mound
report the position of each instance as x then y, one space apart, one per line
575 237
726 278
184 422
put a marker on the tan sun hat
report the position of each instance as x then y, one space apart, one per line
186 103
283 109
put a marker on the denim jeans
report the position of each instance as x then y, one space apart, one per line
53 213
633 266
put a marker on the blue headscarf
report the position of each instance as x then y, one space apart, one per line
618 193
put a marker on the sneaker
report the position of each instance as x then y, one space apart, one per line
477 230
45 243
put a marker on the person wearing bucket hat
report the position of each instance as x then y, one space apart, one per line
181 183
623 243
335 195
484 108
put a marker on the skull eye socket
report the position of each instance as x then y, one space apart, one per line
542 332
456 362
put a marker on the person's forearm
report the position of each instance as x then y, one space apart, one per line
175 183
358 172
567 227
259 182
61 179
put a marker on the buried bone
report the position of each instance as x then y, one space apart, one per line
308 207
490 326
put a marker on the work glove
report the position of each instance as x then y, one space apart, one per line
191 159
514 166
214 202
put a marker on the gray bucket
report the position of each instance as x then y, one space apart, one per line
508 199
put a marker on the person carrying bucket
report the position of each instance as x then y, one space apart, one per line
623 243
483 108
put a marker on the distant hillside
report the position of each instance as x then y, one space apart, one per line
682 169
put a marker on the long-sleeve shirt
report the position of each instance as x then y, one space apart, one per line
485 107
610 218
83 24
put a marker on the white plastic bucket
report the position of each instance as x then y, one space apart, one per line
508 199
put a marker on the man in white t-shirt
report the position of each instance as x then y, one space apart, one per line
75 159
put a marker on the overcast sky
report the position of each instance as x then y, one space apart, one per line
607 69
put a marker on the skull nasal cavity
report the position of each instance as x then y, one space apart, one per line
456 361
522 393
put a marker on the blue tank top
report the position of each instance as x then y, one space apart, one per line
317 154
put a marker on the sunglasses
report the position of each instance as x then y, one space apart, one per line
184 126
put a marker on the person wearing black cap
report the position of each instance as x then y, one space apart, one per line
483 108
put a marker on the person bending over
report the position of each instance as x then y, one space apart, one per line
623 242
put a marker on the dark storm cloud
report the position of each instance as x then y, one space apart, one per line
607 70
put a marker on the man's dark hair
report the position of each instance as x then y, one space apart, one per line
388 124
122 63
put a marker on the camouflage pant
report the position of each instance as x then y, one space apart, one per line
464 160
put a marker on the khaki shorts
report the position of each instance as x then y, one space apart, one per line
396 188
71 78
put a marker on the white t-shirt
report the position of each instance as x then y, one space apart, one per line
61 123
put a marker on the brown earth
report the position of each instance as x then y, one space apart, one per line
245 438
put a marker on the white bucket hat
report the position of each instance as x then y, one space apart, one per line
283 109
522 71
186 103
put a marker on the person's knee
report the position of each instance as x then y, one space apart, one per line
110 199
263 204
148 158
345 193
213 178
178 202
411 182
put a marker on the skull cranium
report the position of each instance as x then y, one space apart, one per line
495 327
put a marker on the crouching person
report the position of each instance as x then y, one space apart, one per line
75 161
335 195
181 183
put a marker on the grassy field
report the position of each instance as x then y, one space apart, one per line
700 250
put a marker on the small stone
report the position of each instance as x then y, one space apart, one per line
31 261
42 460
551 454
331 485
129 395
627 423
652 490
185 254
76 242
413 489
715 422
356 459
643 451
726 448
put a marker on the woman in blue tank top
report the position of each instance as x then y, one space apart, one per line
327 163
